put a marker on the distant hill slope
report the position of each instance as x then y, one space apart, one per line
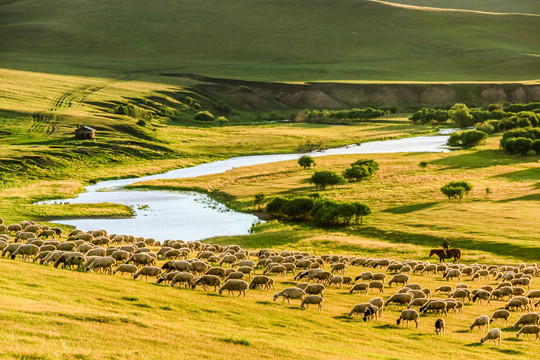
286 40
503 6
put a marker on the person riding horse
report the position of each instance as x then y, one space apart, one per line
446 246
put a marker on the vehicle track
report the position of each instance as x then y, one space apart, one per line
43 121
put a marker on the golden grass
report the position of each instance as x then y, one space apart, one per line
50 313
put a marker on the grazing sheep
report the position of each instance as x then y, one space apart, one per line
314 289
399 279
14 228
408 315
312 300
412 286
206 281
76 259
376 285
24 235
26 250
359 287
359 309
530 330
493 334
228 259
482 295
418 294
199 267
440 326
419 302
347 280
10 249
276 269
379 303
365 276
147 271
290 293
336 280
182 278
480 322
233 285
451 274
97 252
519 302
500 314
261 281
528 319
461 294
236 275
126 268
339 267
141 259
370 313
402 299
435 306
444 289
217 271
104 263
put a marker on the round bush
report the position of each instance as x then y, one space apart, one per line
536 146
204 116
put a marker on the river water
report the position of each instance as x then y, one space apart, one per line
195 216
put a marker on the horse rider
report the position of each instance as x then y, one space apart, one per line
446 246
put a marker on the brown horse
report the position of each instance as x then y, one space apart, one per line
450 253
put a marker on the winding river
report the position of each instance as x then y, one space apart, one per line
195 216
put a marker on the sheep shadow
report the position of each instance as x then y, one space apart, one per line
475 344
387 326
509 329
512 339
510 352
346 318
263 302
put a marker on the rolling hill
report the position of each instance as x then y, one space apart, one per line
290 40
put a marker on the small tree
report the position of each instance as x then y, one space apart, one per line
322 179
456 189
259 200
222 120
459 114
275 205
423 164
306 161
361 211
520 145
536 146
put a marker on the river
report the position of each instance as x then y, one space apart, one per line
195 216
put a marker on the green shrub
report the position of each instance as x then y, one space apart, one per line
322 179
519 145
275 205
536 146
222 120
357 173
205 116
456 189
306 161
485 127
423 164
297 208
468 138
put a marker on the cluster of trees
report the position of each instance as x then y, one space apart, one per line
321 211
306 161
133 111
521 141
323 179
460 115
207 116
350 115
466 139
360 170
456 189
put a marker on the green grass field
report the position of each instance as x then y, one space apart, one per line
406 200
317 40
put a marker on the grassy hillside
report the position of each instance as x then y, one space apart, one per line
50 313
406 200
500 6
317 40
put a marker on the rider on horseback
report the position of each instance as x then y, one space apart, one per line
445 245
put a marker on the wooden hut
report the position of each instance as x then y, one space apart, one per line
85 132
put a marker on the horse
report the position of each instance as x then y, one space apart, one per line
450 253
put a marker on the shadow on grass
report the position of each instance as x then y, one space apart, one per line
520 175
509 351
387 326
410 208
475 344
262 302
346 318
529 197
480 159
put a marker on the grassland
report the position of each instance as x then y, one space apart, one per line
494 6
406 199
317 40
50 313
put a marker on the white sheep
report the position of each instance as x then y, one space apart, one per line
312 300
147 271
493 334
399 279
290 293
528 319
126 269
233 285
359 287
530 330
480 322
500 314
408 315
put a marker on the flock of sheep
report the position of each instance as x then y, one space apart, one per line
226 269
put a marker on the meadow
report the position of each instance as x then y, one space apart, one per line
317 40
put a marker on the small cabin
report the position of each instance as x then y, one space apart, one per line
85 132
